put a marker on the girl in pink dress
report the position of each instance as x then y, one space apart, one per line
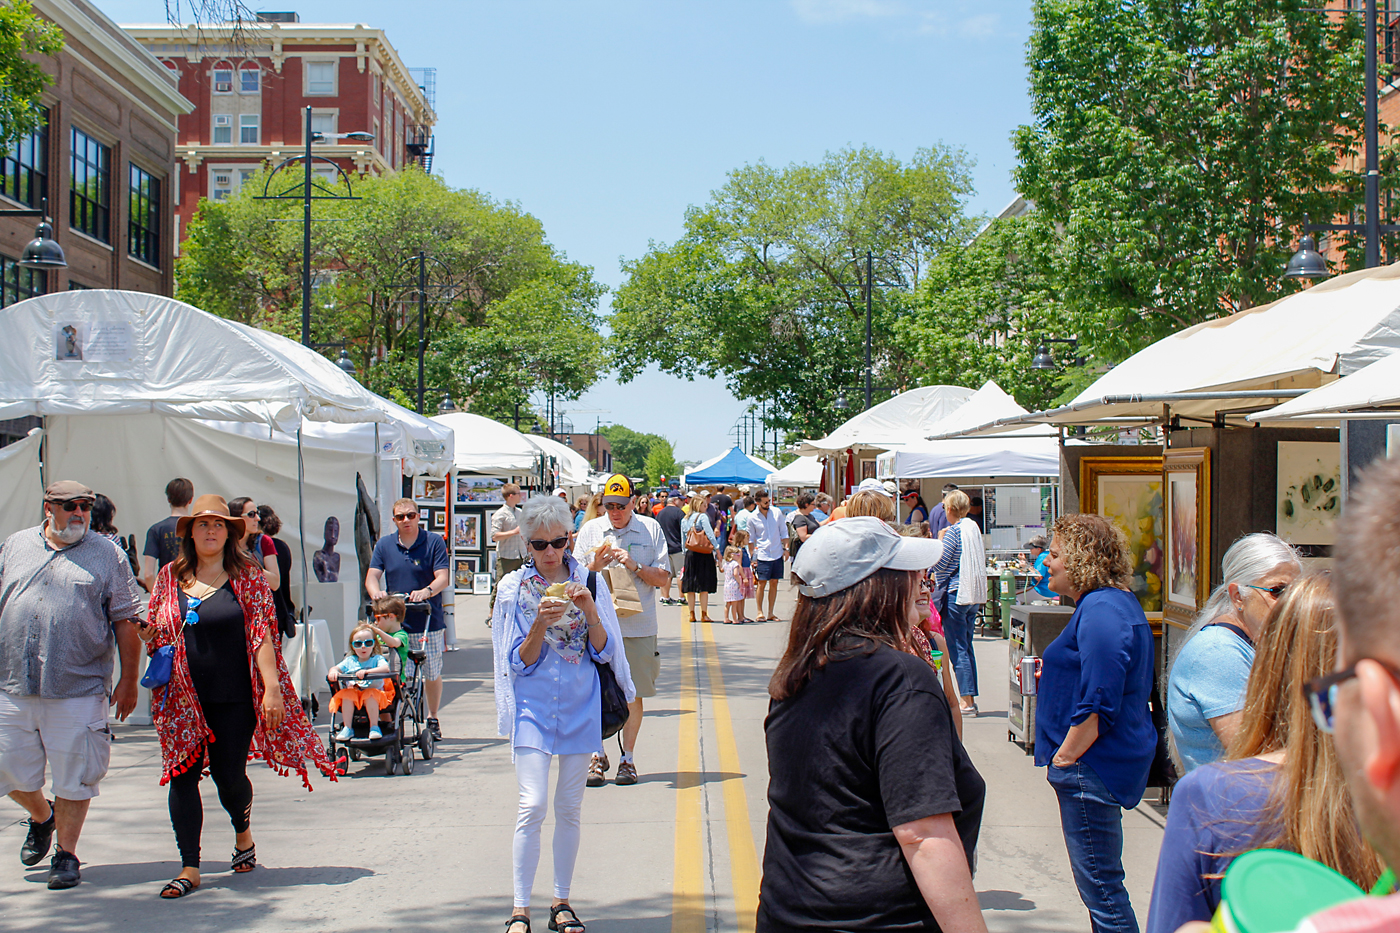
733 585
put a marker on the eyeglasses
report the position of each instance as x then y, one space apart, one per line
252 514
1275 591
362 643
192 617
558 543
617 506
1322 694
406 516
925 585
75 505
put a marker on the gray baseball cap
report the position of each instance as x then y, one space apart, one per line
842 554
872 485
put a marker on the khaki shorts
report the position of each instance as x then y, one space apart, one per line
645 663
69 735
677 563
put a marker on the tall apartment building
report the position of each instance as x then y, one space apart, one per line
250 91
103 160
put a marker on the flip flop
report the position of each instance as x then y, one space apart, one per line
177 888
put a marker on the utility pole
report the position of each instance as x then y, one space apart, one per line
869 291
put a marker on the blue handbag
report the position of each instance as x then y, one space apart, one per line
159 667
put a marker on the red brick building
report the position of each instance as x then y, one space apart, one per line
250 93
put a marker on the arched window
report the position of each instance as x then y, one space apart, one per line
223 77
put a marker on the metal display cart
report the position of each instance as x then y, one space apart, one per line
1033 628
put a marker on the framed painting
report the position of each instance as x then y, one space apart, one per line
1309 491
465 572
1128 492
481 584
427 489
466 531
1186 482
867 469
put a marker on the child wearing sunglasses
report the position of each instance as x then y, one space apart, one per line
371 695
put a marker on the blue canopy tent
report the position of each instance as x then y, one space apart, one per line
730 468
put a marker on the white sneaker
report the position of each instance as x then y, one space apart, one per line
375 733
345 735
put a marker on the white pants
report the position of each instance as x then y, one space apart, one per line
532 774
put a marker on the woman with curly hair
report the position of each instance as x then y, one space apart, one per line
228 692
1092 723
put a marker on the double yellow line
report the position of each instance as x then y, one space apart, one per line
688 899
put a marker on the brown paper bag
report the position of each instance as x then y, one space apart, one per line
623 587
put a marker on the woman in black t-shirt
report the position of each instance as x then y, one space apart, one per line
874 805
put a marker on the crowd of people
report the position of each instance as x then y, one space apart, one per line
1281 706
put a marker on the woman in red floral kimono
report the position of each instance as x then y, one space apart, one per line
229 691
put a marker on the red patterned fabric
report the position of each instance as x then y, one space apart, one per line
175 710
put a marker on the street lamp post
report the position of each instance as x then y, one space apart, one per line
306 197
43 252
421 287
869 287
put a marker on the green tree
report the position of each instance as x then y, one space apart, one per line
661 461
630 449
23 34
506 313
1177 145
766 285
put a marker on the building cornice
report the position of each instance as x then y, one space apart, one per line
129 58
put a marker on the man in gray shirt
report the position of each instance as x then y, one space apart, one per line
67 605
505 531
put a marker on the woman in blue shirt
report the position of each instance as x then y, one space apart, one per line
548 697
1092 723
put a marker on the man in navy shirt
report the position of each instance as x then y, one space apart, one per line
415 562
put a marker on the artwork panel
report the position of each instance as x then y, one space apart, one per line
1309 491
1134 504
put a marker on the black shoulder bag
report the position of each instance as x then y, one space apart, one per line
615 710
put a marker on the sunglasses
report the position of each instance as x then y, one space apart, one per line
362 643
252 514
1322 694
1275 591
617 507
192 617
406 516
84 505
558 543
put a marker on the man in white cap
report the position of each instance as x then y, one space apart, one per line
768 541
639 549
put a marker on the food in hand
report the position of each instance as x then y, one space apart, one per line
555 589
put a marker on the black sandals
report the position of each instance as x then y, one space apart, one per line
244 859
572 924
518 918
177 888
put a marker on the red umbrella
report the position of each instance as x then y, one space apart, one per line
850 471
825 467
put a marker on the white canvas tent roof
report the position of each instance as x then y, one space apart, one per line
900 420
804 471
1246 361
1030 451
486 446
1370 392
574 468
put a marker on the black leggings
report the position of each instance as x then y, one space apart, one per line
232 725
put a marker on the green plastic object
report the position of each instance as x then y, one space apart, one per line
1271 891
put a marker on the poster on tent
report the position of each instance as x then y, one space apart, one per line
1128 492
1186 473
1309 491
95 341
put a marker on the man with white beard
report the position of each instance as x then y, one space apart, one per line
68 603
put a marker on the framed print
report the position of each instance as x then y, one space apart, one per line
439 519
479 488
1186 475
466 532
481 584
1309 491
464 570
427 489
1128 492
867 469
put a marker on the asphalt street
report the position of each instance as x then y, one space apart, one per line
676 853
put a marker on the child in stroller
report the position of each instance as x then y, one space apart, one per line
364 691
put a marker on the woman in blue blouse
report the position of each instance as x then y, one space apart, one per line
548 698
1092 723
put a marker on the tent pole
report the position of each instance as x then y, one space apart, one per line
306 634
377 503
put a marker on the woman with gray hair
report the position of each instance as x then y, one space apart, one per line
1205 691
553 622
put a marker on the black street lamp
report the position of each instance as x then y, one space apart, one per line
43 252
1043 360
869 287
421 288
1307 263
306 197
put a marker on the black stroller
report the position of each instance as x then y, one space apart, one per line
406 732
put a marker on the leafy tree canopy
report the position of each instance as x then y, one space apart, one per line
766 285
630 449
505 313
23 35
661 461
1177 146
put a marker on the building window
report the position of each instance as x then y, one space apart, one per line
248 129
223 129
226 181
320 78
249 79
75 287
18 283
223 79
24 168
89 197
324 122
143 225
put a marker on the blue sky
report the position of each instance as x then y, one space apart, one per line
607 119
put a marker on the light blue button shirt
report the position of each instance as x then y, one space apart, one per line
558 703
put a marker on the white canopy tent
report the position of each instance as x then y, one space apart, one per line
1371 392
489 447
572 469
1255 359
803 472
900 420
1030 451
134 389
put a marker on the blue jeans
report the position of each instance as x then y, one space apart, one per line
957 630
1092 823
